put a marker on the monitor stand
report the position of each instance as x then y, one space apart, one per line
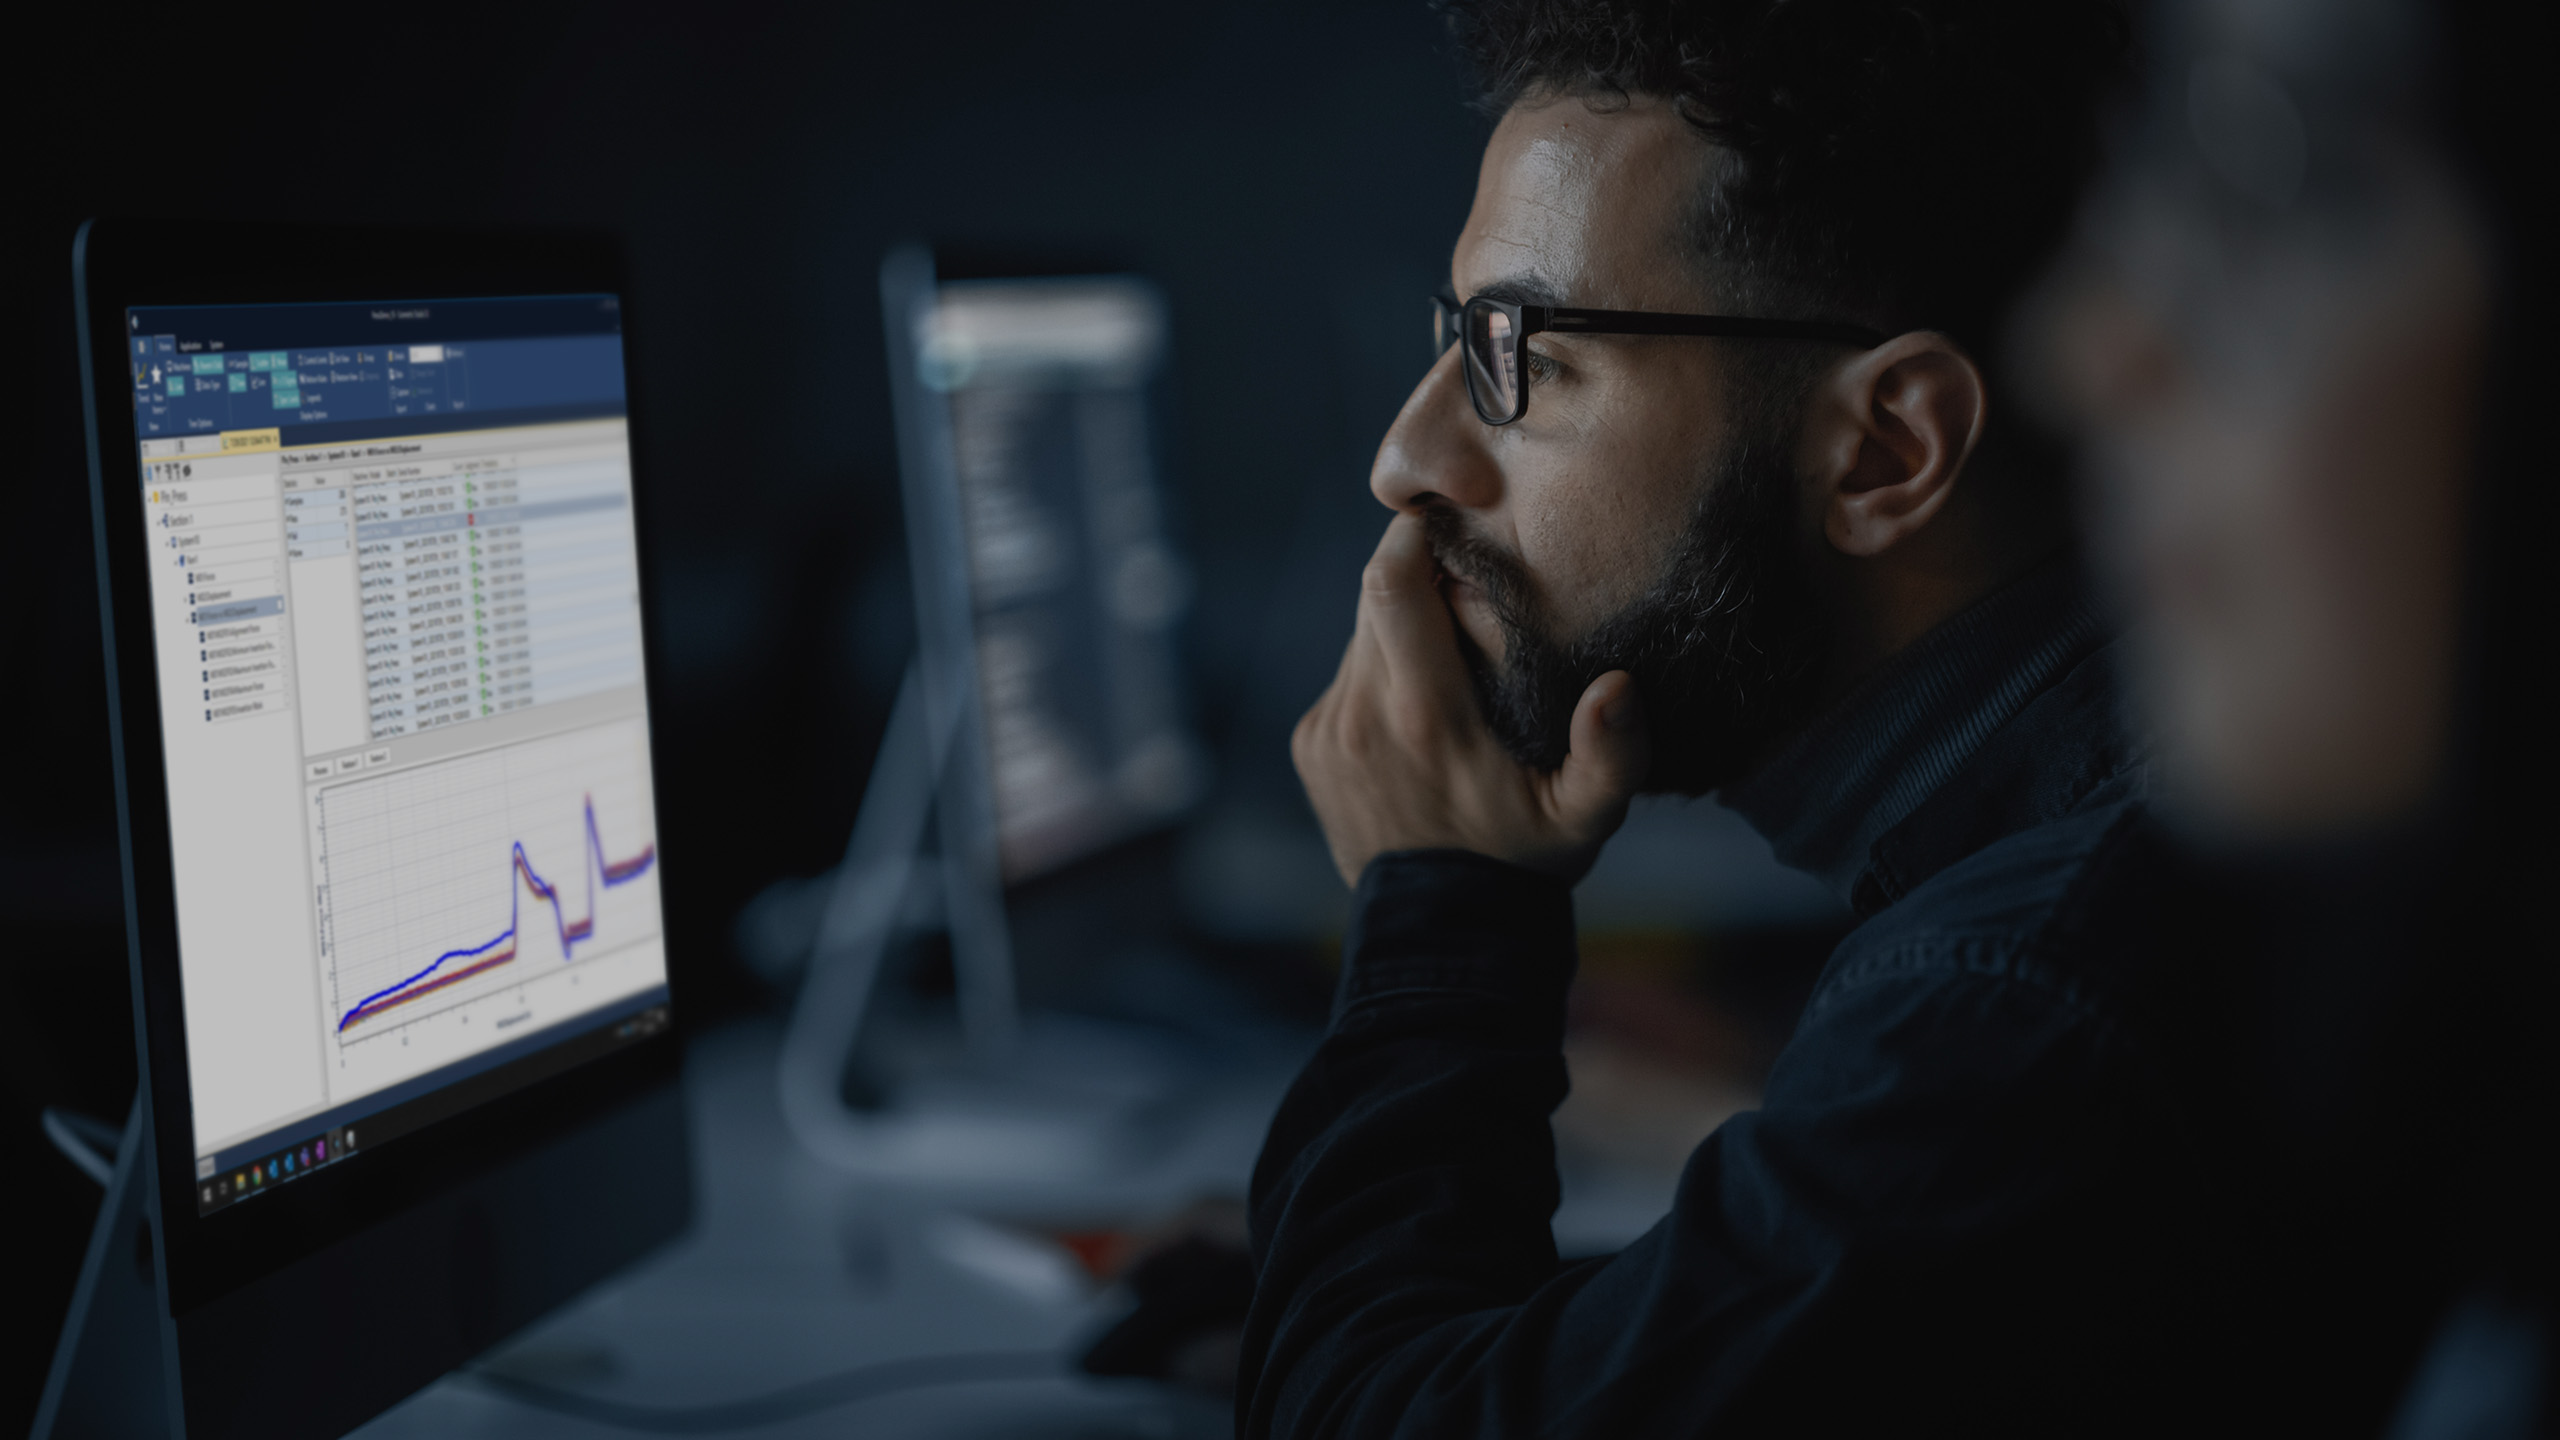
1046 1116
109 1374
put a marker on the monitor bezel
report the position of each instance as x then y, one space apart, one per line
122 264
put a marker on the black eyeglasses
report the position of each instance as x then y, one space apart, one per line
1498 383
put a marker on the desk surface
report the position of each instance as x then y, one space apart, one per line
794 1272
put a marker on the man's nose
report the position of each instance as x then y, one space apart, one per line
1437 450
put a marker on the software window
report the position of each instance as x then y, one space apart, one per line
400 666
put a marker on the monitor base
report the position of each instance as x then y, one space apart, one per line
1017 1115
110 1368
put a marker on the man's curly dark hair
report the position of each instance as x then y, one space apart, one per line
1906 164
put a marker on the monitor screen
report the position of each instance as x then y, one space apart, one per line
396 611
1075 589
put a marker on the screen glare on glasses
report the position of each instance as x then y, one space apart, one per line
1492 360
1493 355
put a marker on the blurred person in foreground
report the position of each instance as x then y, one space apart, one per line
1812 561
2302 333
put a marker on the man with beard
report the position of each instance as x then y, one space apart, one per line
1710 490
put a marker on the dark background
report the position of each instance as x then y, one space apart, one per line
1297 168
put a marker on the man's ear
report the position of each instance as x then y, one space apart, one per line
1886 436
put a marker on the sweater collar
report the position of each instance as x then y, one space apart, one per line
1826 797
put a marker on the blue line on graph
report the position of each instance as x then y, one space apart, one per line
609 872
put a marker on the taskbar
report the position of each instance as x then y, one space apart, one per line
337 1144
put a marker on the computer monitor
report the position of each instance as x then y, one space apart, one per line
1026 398
1043 724
365 516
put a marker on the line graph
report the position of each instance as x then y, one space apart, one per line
433 882
602 874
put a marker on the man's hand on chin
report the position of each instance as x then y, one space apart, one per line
1396 756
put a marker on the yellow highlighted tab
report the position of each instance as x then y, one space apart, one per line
237 442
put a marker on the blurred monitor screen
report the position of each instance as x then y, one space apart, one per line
396 611
1075 592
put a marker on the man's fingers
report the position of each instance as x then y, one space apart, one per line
1610 750
1403 614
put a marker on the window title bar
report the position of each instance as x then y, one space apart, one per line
214 329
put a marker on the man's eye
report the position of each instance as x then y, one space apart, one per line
1541 367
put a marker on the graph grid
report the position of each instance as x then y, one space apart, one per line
447 882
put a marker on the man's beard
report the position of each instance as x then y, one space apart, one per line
1724 646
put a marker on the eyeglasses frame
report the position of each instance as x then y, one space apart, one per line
1450 321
